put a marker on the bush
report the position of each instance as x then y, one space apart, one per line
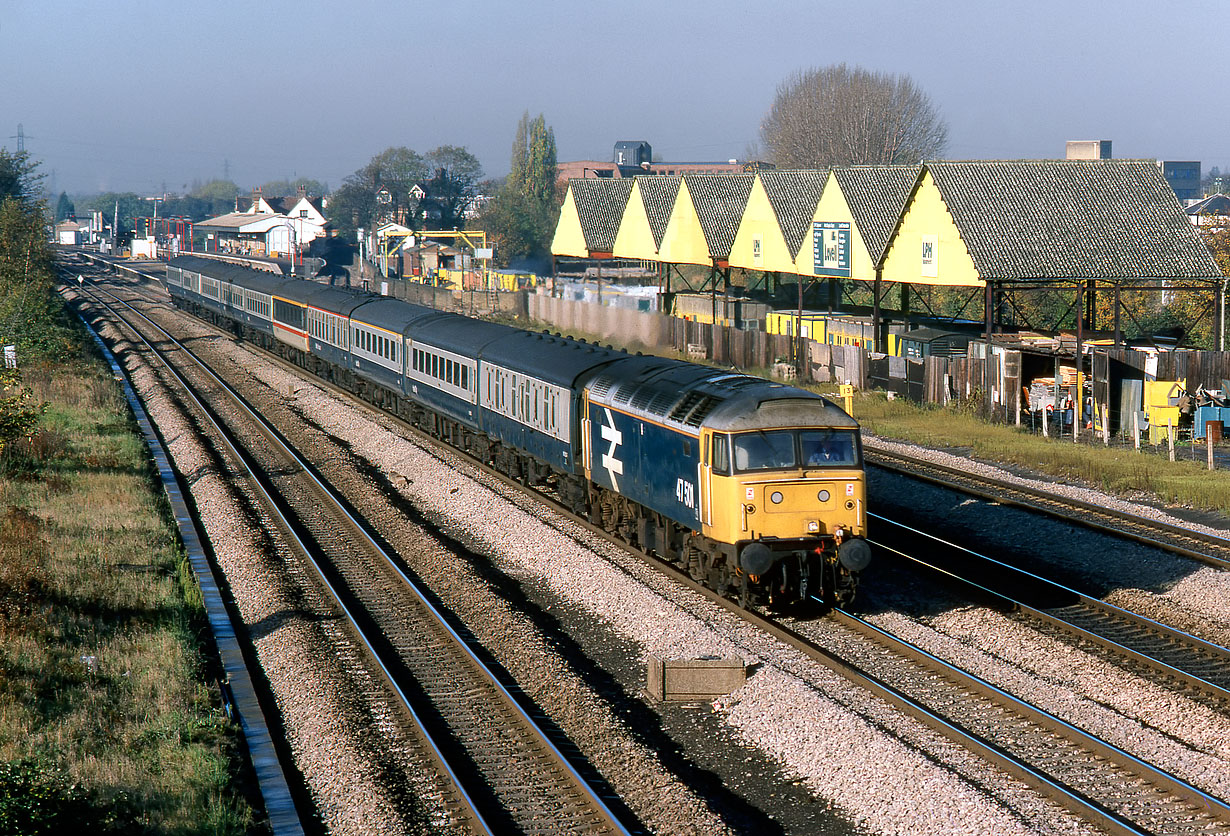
37 799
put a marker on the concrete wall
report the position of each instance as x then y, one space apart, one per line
628 326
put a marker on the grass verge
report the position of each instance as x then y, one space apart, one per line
106 725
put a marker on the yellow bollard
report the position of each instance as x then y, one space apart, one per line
847 393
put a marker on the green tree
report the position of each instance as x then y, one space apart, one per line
131 206
396 169
452 188
19 177
290 188
64 208
521 217
27 303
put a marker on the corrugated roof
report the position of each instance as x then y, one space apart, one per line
794 196
658 193
876 195
1044 219
600 203
719 200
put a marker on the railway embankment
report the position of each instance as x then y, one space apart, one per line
112 721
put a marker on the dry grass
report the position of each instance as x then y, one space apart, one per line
101 666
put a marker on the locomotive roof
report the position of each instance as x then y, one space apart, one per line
775 406
690 396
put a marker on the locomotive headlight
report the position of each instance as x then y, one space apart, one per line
823 496
813 526
776 497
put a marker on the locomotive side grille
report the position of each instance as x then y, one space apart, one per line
600 388
702 409
642 397
624 394
662 402
685 406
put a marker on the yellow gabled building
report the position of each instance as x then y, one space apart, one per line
705 218
854 219
927 247
643 222
589 217
777 219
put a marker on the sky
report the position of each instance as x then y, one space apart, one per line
142 96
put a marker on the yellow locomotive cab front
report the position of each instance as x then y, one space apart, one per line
785 494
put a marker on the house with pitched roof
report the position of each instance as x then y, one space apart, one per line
266 226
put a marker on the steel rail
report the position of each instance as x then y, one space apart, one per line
1103 609
1197 545
612 822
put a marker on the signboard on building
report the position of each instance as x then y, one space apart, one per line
757 251
831 248
930 256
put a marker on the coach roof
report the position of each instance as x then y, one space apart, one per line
390 314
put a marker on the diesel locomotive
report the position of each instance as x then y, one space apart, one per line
754 487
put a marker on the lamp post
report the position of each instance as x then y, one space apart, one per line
293 240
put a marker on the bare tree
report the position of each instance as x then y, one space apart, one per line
838 115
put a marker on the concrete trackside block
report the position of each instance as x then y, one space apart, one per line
693 680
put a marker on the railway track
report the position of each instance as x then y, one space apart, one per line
1198 545
1101 783
1172 655
507 772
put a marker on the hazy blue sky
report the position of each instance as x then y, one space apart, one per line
132 95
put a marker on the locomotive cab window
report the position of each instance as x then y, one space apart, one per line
765 450
831 448
721 454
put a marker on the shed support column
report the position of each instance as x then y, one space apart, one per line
987 309
1078 405
1118 330
798 329
878 341
1220 302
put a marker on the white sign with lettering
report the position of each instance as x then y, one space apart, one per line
930 257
